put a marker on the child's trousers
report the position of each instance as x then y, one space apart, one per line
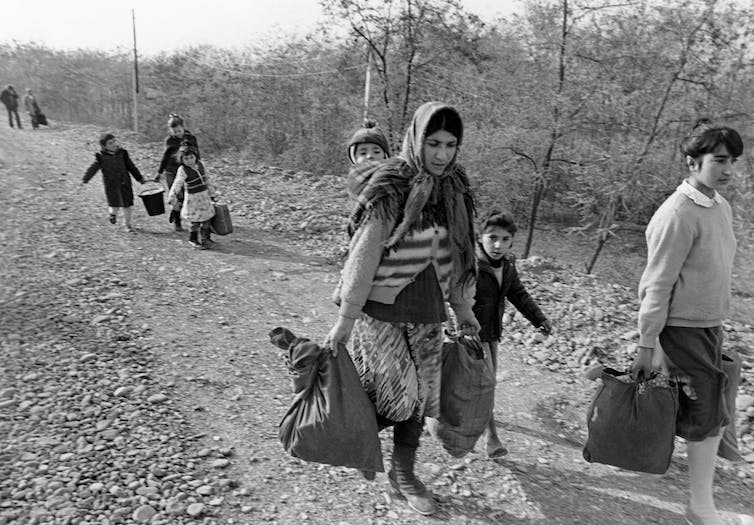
202 227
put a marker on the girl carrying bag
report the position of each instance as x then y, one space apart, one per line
631 424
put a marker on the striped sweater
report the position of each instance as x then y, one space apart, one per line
371 273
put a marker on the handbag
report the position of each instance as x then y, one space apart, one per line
331 419
467 395
631 424
41 119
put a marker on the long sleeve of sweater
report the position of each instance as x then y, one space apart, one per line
365 254
669 241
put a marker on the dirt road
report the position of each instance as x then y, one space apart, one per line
138 384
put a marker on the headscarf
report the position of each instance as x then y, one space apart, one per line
379 188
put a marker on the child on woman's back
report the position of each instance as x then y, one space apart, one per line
497 281
116 166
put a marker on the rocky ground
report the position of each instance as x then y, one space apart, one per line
138 384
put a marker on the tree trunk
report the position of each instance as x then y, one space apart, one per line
536 198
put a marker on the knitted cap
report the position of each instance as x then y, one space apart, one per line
371 134
104 138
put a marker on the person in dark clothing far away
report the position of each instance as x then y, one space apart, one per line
9 98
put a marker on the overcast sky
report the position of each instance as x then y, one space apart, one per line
165 26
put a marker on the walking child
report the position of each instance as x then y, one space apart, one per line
177 135
497 281
197 206
117 168
685 296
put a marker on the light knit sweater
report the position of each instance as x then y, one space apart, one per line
373 274
690 250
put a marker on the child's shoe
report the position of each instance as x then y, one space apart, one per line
194 241
495 448
112 218
177 221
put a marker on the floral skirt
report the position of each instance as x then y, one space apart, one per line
400 366
197 207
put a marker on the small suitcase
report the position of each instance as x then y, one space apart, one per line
221 223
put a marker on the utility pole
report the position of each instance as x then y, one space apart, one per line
135 108
367 83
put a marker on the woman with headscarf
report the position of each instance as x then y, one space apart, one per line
411 249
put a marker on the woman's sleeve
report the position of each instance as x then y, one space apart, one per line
461 295
365 254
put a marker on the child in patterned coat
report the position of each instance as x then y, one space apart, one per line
199 194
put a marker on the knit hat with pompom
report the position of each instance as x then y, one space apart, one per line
371 134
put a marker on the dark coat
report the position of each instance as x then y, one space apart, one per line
489 301
9 98
115 175
169 162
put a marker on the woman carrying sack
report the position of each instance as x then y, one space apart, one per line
412 247
685 295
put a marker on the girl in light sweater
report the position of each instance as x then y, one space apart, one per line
685 294
412 247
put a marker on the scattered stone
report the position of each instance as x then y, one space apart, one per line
195 509
143 514
220 463
123 391
157 398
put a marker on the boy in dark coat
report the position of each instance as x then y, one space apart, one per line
497 281
116 166
9 98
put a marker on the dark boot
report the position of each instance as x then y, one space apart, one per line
403 480
177 221
194 240
207 241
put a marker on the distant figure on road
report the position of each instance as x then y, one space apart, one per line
9 98
177 136
32 108
116 166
